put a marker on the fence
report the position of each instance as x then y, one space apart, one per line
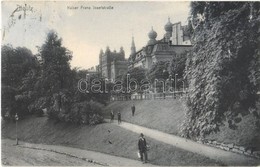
149 96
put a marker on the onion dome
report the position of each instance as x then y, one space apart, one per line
152 34
168 26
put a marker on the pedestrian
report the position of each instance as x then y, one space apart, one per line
111 116
133 109
142 148
119 117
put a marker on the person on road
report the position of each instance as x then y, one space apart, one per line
142 148
133 109
111 116
119 117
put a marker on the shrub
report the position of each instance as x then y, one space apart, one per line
86 112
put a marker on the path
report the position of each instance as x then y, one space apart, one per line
42 154
228 158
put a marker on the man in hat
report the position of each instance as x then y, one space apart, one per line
142 148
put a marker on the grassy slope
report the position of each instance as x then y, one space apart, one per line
167 115
164 115
124 143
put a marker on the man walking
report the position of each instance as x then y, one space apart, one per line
119 117
142 148
111 116
133 109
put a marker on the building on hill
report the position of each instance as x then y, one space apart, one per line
175 41
112 64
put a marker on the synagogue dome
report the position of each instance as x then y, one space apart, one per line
168 26
152 34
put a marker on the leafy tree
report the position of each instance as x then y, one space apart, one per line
224 64
101 97
55 73
31 83
85 112
55 65
159 70
16 64
137 74
59 85
178 64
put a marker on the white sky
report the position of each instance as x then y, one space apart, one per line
85 32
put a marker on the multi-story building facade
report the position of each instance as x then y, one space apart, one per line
112 64
175 41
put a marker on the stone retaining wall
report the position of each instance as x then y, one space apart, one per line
233 148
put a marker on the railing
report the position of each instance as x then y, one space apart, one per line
149 96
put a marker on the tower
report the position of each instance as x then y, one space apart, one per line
100 60
133 49
101 53
177 34
168 29
122 52
152 37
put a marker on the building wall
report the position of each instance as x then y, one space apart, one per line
181 48
148 62
161 51
177 34
118 68
105 66
139 63
112 63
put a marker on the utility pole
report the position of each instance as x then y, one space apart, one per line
175 85
16 121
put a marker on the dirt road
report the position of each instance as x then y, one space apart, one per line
228 158
51 155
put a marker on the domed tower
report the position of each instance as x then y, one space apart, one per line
168 29
152 36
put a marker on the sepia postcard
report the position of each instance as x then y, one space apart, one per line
130 83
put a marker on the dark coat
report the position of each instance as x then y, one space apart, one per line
112 115
142 144
133 108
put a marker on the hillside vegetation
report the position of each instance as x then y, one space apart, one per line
223 68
